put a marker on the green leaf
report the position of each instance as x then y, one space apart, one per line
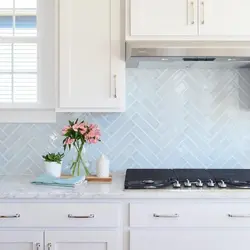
52 157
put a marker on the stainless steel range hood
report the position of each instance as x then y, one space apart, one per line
188 53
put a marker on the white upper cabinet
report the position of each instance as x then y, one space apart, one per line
224 17
163 17
91 64
188 19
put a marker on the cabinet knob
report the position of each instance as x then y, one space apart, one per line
38 245
49 245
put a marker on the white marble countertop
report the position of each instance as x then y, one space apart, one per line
19 187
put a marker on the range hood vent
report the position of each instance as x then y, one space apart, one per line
198 59
187 54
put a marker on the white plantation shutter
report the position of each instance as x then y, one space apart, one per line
27 56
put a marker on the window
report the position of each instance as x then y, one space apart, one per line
27 49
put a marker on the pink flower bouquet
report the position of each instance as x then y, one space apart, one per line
76 135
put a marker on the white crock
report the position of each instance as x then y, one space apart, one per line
53 168
102 167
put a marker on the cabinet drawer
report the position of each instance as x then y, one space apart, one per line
190 214
59 215
190 238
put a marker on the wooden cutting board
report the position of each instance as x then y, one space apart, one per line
94 178
91 178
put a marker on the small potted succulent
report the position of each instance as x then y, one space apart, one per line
53 164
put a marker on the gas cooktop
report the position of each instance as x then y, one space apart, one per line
187 178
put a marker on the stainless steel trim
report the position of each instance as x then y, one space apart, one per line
10 216
38 245
144 50
166 215
49 245
203 12
91 216
239 215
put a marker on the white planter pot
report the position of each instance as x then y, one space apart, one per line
53 169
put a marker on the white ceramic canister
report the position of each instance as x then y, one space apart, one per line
102 167
53 168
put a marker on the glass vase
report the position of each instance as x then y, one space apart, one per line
79 165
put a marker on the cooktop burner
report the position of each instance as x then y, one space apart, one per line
149 178
187 178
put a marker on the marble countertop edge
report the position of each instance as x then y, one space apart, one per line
19 187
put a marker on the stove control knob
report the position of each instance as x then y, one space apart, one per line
210 183
176 184
222 184
187 183
199 183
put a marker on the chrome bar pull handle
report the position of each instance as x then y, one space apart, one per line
203 12
166 215
193 12
49 246
239 215
91 216
10 216
38 245
115 87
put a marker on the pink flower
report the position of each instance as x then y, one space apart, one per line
91 134
97 137
92 140
82 128
92 126
75 127
94 134
69 141
65 129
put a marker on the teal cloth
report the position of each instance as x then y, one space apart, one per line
46 179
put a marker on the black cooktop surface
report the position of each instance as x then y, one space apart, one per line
149 178
230 174
187 178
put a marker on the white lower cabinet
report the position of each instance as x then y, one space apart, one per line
81 240
120 225
21 240
189 238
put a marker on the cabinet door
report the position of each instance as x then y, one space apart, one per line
92 71
21 240
163 17
224 17
195 239
84 240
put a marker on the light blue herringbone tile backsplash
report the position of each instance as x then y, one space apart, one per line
181 118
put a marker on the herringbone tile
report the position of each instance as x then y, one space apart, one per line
175 118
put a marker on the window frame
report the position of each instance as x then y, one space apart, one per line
46 69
